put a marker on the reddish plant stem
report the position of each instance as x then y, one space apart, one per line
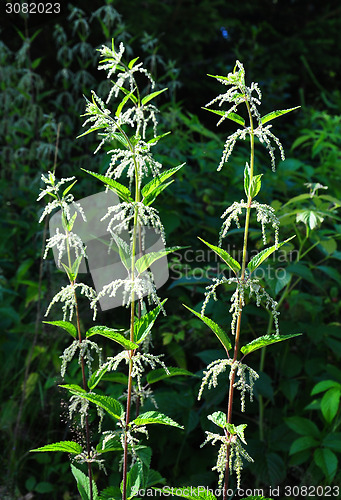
85 387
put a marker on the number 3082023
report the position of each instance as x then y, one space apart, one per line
32 8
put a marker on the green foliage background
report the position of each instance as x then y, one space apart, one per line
47 64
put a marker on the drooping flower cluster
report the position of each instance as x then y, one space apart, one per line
219 366
264 213
236 452
139 359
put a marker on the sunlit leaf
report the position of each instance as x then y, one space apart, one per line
216 329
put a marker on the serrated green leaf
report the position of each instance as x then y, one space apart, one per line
226 257
122 191
148 200
73 388
65 446
216 329
65 325
83 484
134 480
149 190
153 477
155 417
111 493
303 426
327 461
110 405
109 444
122 103
256 184
160 374
96 377
131 96
112 334
143 325
276 114
230 116
75 267
247 179
330 403
120 138
132 62
158 137
65 192
264 341
147 260
123 249
264 254
151 96
92 129
303 443
218 418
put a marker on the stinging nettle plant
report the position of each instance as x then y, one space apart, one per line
242 274
129 127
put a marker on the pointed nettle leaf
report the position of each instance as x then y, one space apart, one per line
65 192
216 329
65 446
256 184
160 374
157 138
111 444
276 114
123 250
92 129
151 96
120 138
264 341
110 405
66 325
230 116
226 257
258 259
147 260
143 326
148 200
237 430
247 179
112 334
134 480
83 484
122 191
155 417
96 377
151 190
132 62
218 418
75 267
122 103
128 93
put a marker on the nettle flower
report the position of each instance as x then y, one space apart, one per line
240 93
264 213
244 383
